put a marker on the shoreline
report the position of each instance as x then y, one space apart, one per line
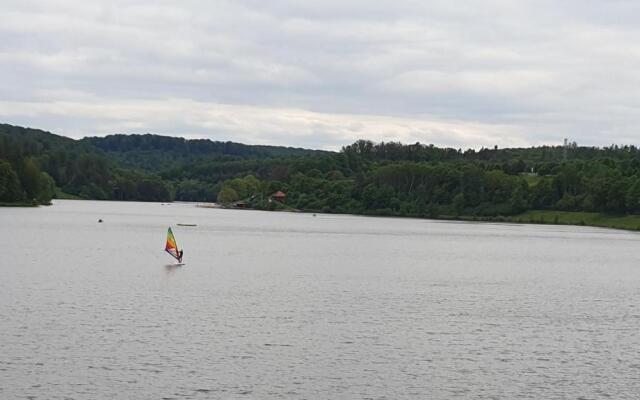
21 204
626 222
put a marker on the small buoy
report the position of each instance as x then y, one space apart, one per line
314 215
100 220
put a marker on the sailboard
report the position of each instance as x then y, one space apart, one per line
172 247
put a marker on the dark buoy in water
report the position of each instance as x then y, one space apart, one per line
100 220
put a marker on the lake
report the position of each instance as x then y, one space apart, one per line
283 305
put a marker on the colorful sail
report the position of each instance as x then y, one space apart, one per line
171 247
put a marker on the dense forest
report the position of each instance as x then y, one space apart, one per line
363 178
36 166
423 180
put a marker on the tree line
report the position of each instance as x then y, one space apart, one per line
363 178
426 181
36 166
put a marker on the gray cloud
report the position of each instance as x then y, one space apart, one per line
322 74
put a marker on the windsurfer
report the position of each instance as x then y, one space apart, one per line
180 256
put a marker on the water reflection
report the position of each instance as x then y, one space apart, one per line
171 268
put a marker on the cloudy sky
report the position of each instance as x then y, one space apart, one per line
322 74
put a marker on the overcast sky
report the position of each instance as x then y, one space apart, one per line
323 74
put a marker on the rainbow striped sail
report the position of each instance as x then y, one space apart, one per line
172 247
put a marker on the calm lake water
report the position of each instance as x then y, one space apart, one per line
280 305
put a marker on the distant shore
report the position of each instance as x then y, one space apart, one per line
18 204
542 217
569 218
539 217
629 222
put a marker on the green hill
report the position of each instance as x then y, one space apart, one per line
363 178
156 153
36 165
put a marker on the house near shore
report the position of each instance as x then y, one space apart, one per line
279 196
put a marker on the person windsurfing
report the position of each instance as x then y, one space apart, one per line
171 246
